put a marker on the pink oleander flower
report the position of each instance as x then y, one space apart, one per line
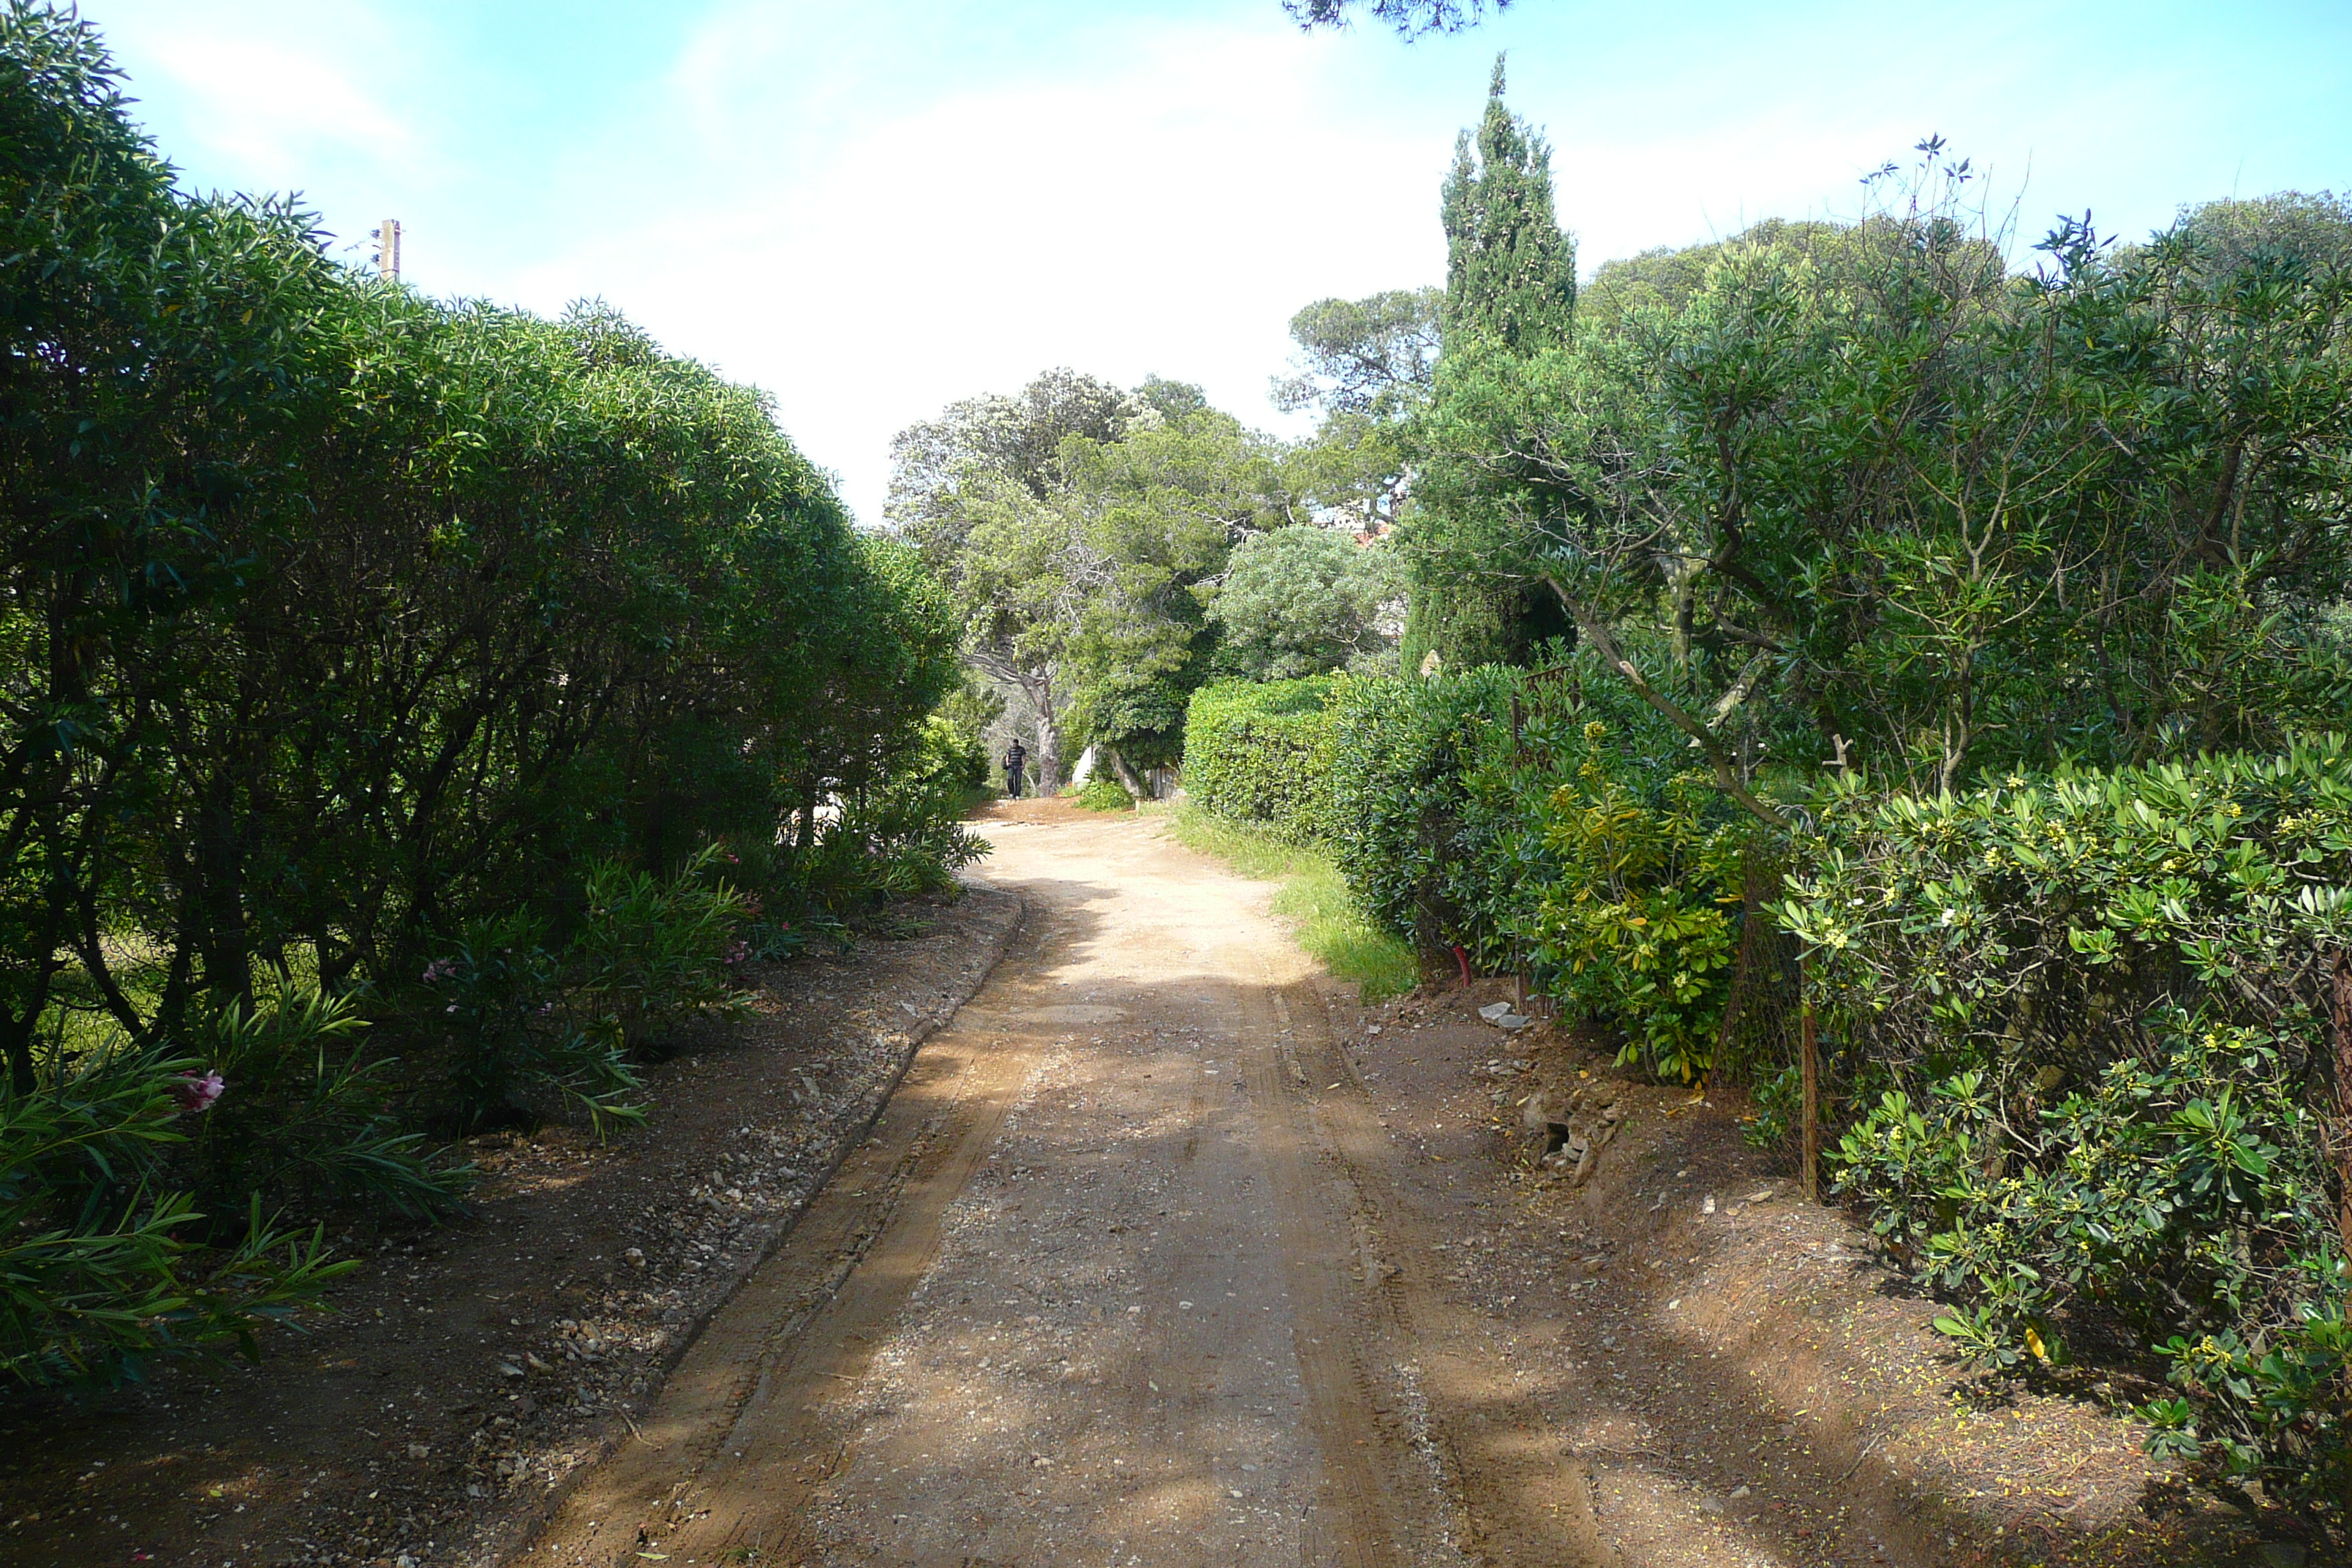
440 969
737 951
192 1094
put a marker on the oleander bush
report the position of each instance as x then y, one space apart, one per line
349 637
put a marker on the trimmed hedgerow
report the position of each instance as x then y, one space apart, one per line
1258 753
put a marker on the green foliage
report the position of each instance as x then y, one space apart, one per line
1511 295
1399 806
1502 814
1255 753
100 1272
336 621
1510 273
652 954
307 1115
977 493
1374 357
507 1045
1159 511
1638 920
1307 600
1847 480
958 733
2096 1003
1103 795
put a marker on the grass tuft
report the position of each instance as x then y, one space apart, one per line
1313 897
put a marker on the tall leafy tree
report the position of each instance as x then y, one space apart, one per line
1864 494
1376 356
1305 601
1162 509
974 491
1510 273
1080 578
1366 365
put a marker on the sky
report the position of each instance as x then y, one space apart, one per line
873 208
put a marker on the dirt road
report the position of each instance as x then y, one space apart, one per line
1105 1286
1165 1253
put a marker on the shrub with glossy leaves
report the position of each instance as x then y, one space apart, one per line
2094 1007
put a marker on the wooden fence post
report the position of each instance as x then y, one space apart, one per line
1812 1071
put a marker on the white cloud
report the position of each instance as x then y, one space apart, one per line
1166 216
275 91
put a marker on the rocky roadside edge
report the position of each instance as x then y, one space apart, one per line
795 1170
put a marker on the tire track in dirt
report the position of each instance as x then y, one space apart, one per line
808 1318
1165 1198
1516 1500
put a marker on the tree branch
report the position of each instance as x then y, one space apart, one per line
1597 634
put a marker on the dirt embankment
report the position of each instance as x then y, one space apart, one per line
469 1371
1729 1373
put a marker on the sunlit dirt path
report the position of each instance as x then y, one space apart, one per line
1166 1253
1104 1287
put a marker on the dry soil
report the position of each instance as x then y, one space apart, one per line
1166 1253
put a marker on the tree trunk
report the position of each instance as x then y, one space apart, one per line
1049 744
1811 1071
1126 775
17 1042
2342 1031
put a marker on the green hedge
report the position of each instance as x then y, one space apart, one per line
2085 1019
1259 753
2076 1025
1538 822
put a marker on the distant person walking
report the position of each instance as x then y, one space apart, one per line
1016 758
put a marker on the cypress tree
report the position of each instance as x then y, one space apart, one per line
1510 273
1510 285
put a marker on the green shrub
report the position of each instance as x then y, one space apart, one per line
653 954
508 1046
101 1270
340 626
900 837
1103 795
1540 822
1639 909
1399 802
2090 1011
1254 753
313 1117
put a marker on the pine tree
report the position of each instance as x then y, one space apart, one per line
1510 273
